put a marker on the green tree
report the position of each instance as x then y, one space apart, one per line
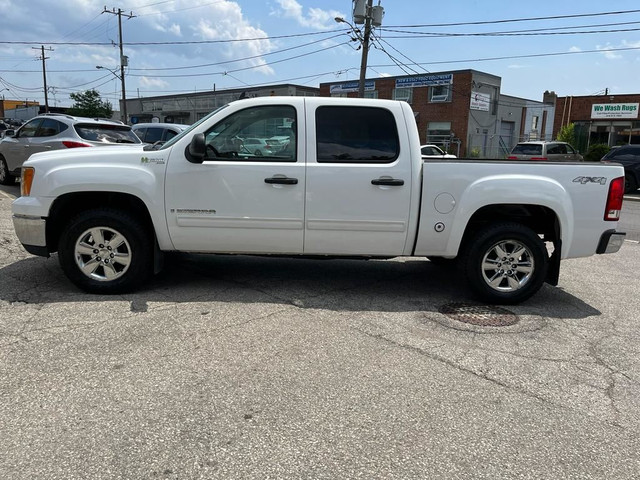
89 104
568 134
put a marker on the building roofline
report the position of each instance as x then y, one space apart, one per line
608 95
226 90
426 74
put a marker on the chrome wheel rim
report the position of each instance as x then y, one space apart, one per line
102 254
507 266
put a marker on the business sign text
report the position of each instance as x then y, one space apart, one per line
425 81
614 110
480 101
352 87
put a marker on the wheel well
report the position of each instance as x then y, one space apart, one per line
69 205
538 218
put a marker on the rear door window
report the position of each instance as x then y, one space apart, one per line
50 127
356 135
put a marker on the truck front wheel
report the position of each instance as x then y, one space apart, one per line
506 263
5 176
105 251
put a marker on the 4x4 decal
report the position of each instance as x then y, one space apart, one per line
585 180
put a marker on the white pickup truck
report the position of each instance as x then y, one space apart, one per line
348 182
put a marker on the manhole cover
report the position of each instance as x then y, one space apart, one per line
482 315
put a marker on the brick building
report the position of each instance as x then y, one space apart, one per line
462 111
609 119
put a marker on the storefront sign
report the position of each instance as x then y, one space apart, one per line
352 87
425 81
480 101
614 110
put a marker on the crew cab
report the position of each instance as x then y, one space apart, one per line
350 182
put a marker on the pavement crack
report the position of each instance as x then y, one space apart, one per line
483 375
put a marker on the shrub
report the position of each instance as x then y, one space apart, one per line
475 152
596 152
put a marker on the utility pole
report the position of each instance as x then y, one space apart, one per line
370 16
365 48
44 75
123 60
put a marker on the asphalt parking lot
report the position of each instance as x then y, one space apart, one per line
240 367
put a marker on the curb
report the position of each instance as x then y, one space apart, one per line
632 198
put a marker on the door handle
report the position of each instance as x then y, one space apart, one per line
281 181
394 182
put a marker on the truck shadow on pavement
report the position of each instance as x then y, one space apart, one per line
399 285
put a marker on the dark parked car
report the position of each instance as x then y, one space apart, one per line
157 132
629 157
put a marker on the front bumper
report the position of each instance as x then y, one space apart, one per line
31 232
610 241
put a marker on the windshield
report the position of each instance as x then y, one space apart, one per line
190 129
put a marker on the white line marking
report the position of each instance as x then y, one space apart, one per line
8 195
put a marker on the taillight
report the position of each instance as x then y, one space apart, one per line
614 200
70 144
539 158
511 157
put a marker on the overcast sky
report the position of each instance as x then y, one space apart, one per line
178 46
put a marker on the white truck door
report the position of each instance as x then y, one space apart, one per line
358 179
237 201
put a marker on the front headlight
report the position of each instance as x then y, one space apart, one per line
26 180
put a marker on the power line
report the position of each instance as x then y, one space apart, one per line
195 42
246 68
529 30
507 34
239 59
180 9
184 67
530 19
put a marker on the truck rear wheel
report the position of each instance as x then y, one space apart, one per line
105 251
506 263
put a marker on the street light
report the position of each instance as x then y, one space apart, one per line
123 114
369 13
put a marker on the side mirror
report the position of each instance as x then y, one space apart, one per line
197 149
9 132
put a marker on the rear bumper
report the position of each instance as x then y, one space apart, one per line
610 241
31 232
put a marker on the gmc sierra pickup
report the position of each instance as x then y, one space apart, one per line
345 178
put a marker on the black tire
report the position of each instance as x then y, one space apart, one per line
108 269
630 183
506 263
5 176
443 262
